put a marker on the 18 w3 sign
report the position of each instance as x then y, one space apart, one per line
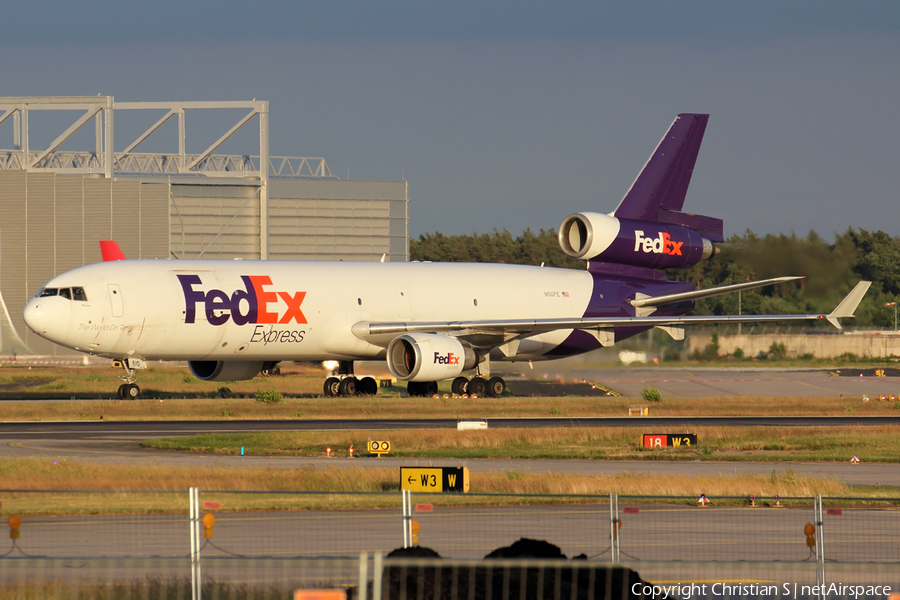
669 440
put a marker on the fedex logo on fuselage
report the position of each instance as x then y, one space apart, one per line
449 359
664 244
253 304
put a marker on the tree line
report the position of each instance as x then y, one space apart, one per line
831 269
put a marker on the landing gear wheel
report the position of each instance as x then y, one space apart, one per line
459 386
130 391
332 387
121 392
367 387
347 387
477 386
419 389
422 389
495 387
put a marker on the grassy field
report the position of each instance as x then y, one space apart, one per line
159 382
111 489
870 444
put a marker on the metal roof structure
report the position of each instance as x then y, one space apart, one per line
104 160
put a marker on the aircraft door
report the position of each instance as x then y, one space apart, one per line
115 300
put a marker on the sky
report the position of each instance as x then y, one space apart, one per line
513 115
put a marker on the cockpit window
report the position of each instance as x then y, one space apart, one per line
75 293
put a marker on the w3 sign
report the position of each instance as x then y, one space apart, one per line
434 479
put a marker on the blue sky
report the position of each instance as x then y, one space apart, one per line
513 115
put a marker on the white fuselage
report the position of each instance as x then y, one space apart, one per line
204 309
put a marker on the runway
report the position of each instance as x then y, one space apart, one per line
87 430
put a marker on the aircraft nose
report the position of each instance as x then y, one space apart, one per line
47 317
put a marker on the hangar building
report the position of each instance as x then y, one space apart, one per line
57 203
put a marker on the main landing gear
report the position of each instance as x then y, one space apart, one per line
477 386
346 385
129 390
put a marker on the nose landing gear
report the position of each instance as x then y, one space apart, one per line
129 390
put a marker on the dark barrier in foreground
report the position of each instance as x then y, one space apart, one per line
526 570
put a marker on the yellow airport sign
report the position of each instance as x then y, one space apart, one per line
378 447
434 479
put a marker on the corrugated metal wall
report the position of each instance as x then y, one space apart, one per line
51 223
338 220
309 219
215 221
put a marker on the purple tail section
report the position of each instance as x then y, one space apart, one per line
658 192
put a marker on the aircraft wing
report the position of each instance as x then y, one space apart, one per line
503 331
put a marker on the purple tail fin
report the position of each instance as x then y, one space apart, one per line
658 192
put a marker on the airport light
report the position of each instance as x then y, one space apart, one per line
894 304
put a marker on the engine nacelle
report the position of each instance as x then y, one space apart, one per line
219 370
595 236
428 357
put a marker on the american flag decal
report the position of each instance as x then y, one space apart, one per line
565 294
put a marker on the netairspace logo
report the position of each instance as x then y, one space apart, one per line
688 591
664 244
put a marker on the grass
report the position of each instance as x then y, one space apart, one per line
870 444
121 489
159 382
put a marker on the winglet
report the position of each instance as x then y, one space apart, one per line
848 305
110 251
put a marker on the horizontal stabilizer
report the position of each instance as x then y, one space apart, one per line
848 305
708 293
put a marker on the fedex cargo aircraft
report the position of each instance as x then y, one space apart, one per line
429 321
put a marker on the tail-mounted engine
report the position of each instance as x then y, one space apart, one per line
428 357
595 236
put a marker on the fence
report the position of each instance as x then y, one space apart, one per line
157 545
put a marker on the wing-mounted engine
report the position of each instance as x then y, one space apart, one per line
595 236
428 357
219 370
